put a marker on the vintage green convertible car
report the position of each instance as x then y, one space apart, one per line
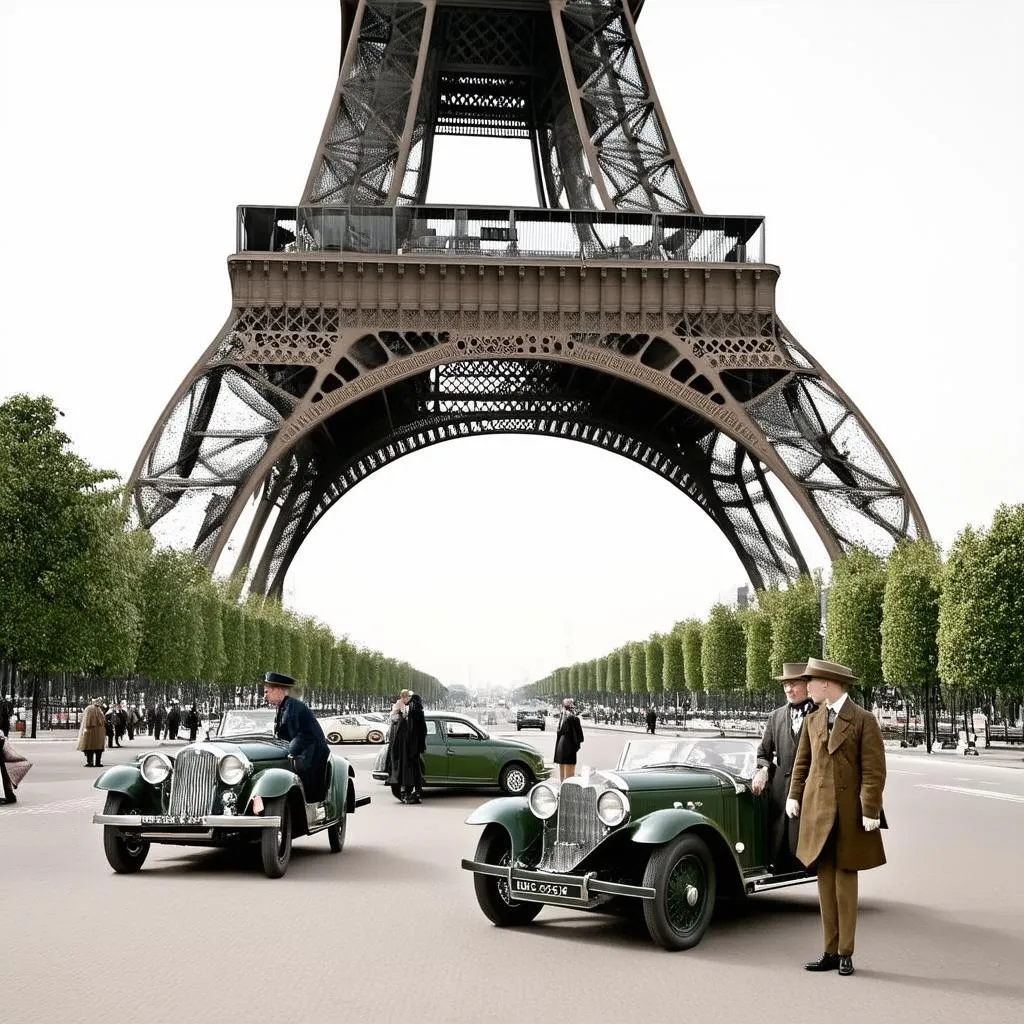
460 753
674 826
236 787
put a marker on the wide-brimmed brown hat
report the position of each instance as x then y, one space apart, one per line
792 671
830 670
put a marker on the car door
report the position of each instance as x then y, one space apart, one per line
351 731
470 760
435 756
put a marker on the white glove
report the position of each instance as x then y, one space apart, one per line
758 782
870 824
792 808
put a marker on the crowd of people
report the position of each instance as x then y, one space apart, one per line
105 725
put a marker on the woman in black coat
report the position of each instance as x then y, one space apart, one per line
568 740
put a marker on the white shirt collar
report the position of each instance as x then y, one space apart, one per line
837 704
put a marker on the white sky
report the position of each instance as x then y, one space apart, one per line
882 141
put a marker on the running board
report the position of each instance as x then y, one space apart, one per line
767 882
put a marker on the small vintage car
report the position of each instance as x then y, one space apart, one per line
674 826
529 719
353 729
237 786
460 753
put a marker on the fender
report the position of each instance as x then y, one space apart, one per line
273 782
514 815
664 825
127 779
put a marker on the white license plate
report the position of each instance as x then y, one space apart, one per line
171 819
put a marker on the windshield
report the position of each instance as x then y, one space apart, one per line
257 722
737 757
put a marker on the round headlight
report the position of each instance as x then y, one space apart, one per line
231 770
612 808
155 768
543 801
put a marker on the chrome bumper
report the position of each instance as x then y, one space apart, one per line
231 821
589 886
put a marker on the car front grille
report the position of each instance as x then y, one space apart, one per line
193 782
578 829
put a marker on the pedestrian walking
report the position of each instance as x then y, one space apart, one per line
836 790
160 720
415 748
652 720
398 760
775 757
192 722
110 726
568 739
173 720
92 734
150 719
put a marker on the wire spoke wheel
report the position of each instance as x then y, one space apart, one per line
682 875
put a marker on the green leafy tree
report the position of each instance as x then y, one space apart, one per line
654 652
693 635
56 521
673 672
233 627
981 610
214 650
173 634
796 622
723 654
625 669
757 629
853 629
613 677
638 669
910 623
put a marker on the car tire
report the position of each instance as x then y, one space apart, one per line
334 737
375 736
495 847
124 856
336 834
276 844
682 873
514 779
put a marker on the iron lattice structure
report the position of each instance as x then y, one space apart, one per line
366 325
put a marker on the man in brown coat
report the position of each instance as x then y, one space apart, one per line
836 790
93 734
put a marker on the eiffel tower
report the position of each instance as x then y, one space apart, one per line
366 324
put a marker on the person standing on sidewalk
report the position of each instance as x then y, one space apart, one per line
836 791
652 720
92 734
568 740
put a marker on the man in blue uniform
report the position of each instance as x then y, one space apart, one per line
295 723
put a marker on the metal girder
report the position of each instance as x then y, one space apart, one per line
660 346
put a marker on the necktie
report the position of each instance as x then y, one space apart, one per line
831 718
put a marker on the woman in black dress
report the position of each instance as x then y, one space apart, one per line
568 740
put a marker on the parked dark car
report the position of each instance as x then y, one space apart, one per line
674 825
529 720
460 753
237 787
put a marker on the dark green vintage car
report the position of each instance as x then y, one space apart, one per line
236 787
674 826
460 753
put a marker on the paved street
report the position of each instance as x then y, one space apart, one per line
390 929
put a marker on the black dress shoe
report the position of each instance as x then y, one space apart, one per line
846 966
828 962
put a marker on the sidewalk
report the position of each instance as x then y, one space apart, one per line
71 736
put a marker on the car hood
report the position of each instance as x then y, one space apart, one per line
507 744
649 780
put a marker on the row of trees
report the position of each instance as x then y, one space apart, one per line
912 627
90 602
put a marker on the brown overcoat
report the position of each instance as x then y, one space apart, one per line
837 779
93 734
